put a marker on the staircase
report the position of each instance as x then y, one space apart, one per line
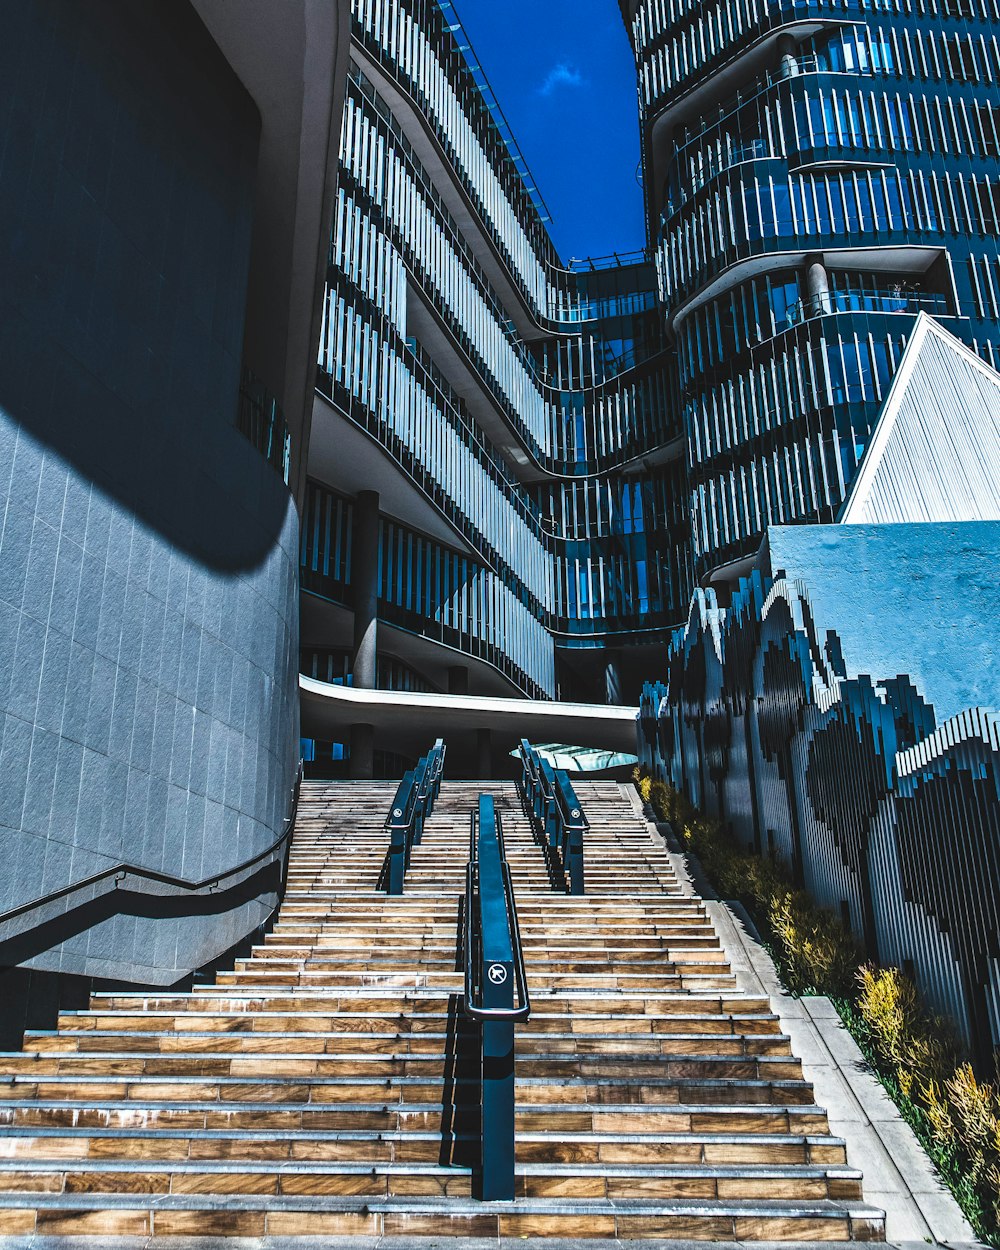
324 1085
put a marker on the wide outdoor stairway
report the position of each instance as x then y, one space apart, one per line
327 1085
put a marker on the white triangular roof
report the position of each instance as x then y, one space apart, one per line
935 451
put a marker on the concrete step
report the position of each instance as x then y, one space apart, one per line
255 1215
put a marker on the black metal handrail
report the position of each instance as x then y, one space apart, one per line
556 812
413 804
123 870
497 944
494 971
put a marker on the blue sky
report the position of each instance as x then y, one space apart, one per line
564 75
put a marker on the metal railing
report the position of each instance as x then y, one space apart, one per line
556 812
683 186
714 164
412 805
124 876
899 299
616 260
494 977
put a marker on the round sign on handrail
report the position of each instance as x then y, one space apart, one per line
397 811
575 813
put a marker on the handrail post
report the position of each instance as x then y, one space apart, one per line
399 823
551 820
574 858
527 770
411 807
397 858
420 803
498 1034
574 825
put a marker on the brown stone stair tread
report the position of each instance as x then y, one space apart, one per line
11 1133
348 1166
815 1209
389 1081
34 1060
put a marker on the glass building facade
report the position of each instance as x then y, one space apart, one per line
816 174
563 452
520 417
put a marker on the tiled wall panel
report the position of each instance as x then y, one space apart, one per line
148 579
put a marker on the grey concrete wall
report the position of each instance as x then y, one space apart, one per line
148 555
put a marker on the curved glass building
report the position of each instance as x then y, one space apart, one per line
497 475
817 173
519 469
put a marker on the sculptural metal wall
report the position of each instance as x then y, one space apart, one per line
765 720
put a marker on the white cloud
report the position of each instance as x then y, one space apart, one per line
561 75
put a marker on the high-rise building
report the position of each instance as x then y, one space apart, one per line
823 196
497 476
817 173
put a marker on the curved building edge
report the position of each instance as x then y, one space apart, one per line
156 403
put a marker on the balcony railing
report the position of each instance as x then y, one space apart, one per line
891 300
811 64
751 25
738 154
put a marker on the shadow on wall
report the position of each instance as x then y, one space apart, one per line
148 592
884 816
125 227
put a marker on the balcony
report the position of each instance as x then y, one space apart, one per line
715 164
894 299
680 188
735 43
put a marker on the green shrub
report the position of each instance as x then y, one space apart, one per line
817 951
920 1050
960 1115
811 947
975 1113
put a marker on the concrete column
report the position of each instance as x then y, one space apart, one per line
362 752
364 589
817 286
788 51
484 754
458 679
